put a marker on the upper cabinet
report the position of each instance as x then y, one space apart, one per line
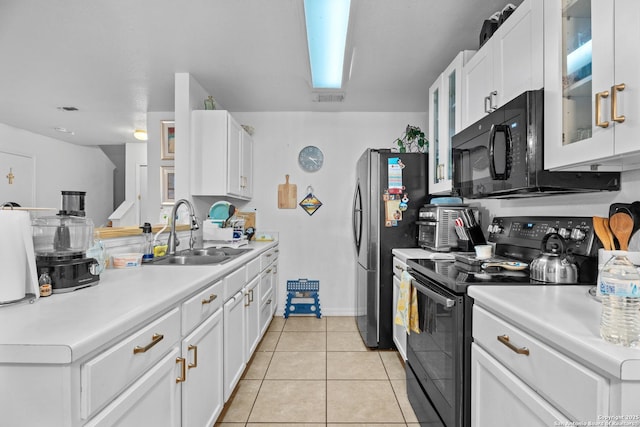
222 155
509 63
592 76
445 120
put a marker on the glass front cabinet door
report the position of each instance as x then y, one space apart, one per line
445 120
591 82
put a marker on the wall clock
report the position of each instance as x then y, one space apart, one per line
310 158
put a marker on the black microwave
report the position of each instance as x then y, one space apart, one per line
501 156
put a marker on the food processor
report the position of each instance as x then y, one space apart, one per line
61 242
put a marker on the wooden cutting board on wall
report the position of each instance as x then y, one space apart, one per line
287 195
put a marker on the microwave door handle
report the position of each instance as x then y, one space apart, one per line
492 154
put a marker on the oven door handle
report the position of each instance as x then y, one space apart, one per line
440 299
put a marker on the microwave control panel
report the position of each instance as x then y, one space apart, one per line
577 232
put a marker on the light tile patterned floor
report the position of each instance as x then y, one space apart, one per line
317 372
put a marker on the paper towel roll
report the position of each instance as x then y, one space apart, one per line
17 257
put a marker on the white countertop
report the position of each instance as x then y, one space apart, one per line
564 317
63 328
418 253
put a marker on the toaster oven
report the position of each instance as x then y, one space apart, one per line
436 226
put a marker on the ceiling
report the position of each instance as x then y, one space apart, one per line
115 60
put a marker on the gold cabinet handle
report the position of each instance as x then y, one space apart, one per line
399 267
269 270
183 371
195 356
268 255
504 339
269 301
155 339
250 295
248 299
599 96
209 300
614 103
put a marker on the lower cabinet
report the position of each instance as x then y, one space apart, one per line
234 361
399 331
251 317
202 388
500 399
153 400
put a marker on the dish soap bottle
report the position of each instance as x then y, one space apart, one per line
619 289
147 248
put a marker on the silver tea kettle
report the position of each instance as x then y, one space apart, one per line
554 265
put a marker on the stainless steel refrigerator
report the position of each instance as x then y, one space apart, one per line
390 190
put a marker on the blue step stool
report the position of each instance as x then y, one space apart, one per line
302 289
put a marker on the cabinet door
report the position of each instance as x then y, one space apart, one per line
477 84
518 53
202 392
627 72
399 333
579 65
153 400
246 175
233 325
436 169
234 159
274 287
500 399
251 317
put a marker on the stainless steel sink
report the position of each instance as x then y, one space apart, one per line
204 256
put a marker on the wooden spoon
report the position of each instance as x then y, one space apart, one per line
601 232
607 229
622 226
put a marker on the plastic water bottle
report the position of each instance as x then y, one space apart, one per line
619 288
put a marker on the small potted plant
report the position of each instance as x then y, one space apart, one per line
413 141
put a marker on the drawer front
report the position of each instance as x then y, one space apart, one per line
268 257
234 282
266 282
578 392
104 376
253 268
266 312
398 267
202 305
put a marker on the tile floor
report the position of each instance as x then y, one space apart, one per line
317 372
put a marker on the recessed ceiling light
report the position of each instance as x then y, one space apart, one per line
67 109
140 134
64 130
327 24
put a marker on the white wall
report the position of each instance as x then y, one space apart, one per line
62 166
318 246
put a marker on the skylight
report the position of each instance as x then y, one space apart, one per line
327 22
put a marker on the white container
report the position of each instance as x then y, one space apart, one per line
619 289
483 251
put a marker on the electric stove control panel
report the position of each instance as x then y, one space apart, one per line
577 232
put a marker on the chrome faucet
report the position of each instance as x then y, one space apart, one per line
173 237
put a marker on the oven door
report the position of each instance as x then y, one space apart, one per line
436 356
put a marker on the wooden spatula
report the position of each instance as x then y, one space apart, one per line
603 232
621 225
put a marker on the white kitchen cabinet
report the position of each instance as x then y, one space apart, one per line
202 389
591 76
500 399
399 331
222 155
153 400
251 294
445 120
508 64
537 366
234 342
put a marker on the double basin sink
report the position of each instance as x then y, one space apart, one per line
204 256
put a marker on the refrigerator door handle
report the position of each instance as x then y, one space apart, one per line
357 217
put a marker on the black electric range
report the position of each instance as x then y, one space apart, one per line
439 358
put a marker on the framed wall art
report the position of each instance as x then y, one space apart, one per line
168 140
168 185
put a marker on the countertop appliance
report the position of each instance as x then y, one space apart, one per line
437 226
60 243
438 364
390 189
501 156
